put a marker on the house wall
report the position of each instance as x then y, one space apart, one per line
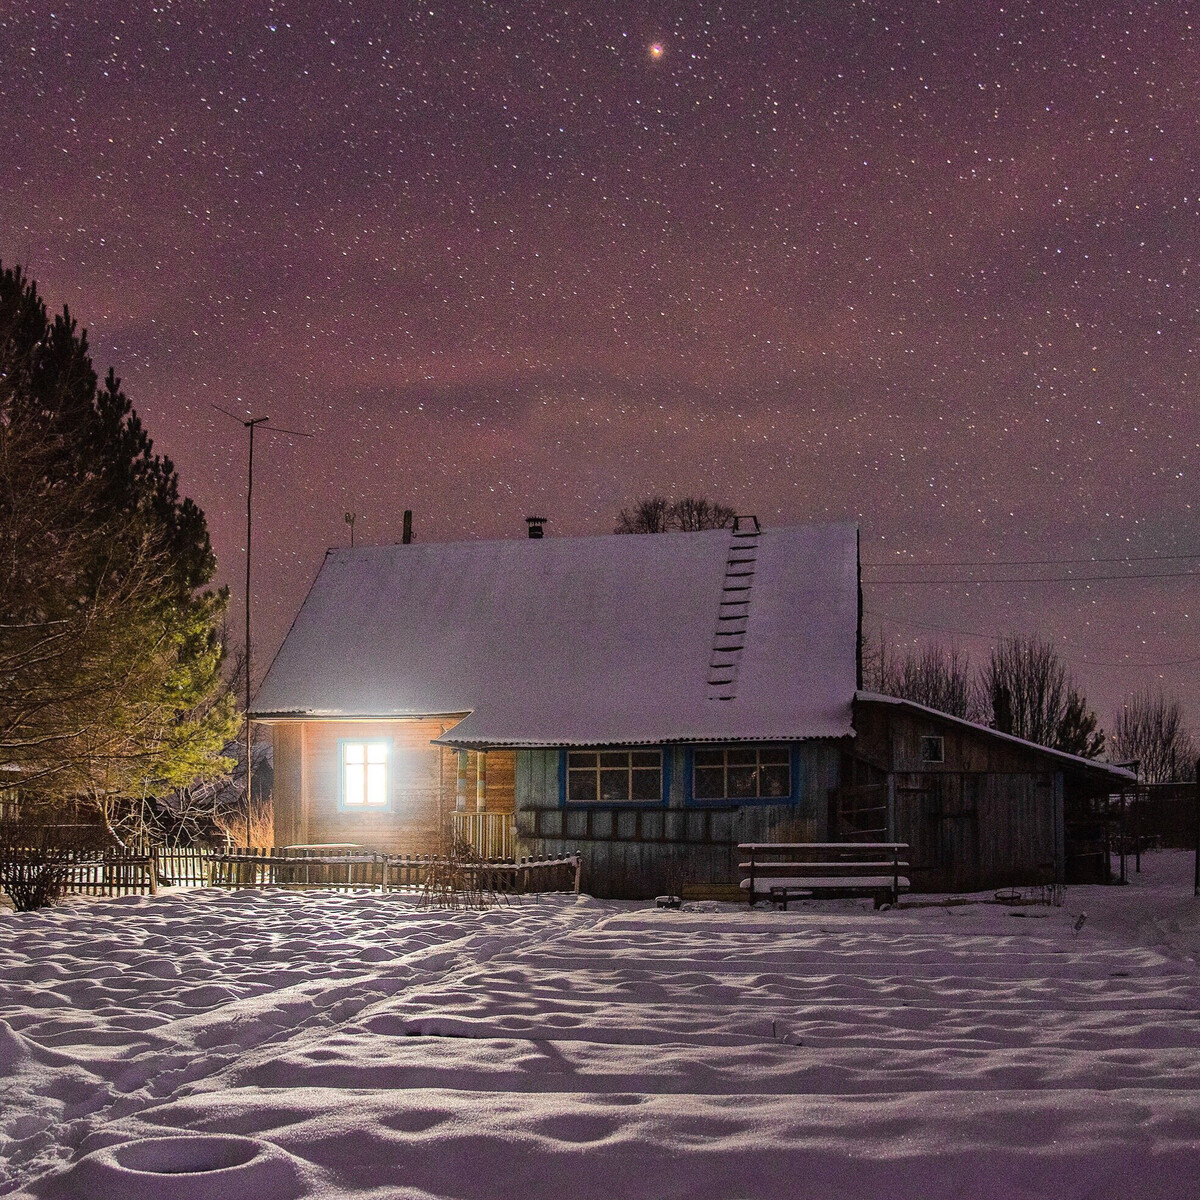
634 852
422 785
990 815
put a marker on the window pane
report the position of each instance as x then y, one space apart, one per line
352 752
377 752
355 783
614 758
614 785
741 781
710 758
581 787
647 784
773 754
774 781
581 758
376 784
747 755
646 758
710 783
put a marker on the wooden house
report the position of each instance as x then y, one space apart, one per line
651 701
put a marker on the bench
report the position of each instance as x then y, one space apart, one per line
783 871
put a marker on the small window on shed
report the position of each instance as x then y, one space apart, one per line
933 749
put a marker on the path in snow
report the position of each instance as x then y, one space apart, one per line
593 1051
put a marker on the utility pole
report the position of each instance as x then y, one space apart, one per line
350 518
251 424
1196 875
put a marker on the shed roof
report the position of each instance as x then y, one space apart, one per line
577 641
1119 775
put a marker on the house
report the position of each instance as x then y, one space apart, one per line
649 700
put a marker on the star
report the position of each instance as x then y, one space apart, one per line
657 50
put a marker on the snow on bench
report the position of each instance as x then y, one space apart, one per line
833 869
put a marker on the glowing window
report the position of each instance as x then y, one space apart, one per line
364 774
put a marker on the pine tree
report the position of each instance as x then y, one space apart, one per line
110 654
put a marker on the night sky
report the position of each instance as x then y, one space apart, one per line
928 266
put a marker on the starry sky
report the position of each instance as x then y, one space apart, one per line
928 266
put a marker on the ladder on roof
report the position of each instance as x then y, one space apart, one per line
733 612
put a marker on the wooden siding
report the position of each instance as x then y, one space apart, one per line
422 785
992 814
638 851
975 830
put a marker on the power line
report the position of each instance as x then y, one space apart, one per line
1036 562
1031 579
993 637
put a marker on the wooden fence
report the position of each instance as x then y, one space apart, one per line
142 870
108 872
351 869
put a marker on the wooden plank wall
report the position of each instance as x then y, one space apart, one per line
633 853
970 831
423 785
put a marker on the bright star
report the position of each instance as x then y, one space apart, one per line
657 50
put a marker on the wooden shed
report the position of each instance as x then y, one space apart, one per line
980 808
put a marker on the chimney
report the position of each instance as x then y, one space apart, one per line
535 525
407 535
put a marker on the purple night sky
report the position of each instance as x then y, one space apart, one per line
929 266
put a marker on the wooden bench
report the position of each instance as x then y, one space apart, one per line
783 871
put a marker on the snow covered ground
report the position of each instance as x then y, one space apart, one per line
587 1050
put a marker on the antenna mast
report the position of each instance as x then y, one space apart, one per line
250 425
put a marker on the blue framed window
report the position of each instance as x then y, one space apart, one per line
613 777
744 773
364 774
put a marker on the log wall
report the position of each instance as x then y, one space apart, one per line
422 784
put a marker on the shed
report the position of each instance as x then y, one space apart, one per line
980 808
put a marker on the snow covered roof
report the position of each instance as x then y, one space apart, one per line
574 641
1073 760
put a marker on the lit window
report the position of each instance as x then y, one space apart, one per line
614 776
933 749
364 774
742 773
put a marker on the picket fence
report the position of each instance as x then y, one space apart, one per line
143 869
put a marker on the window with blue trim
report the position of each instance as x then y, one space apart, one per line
364 774
614 776
742 773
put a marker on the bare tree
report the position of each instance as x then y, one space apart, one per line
695 512
658 514
1026 686
647 516
936 676
1149 729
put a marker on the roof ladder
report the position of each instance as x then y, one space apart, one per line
733 612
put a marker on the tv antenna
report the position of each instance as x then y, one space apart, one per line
251 424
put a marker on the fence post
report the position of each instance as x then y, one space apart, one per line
153 871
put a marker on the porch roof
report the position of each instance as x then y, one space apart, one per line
576 641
